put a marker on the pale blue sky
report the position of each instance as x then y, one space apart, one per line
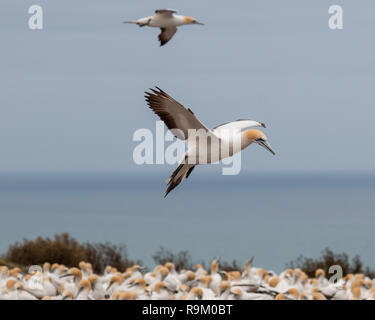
72 94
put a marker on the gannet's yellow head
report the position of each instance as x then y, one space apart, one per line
170 266
348 276
139 282
108 269
61 269
304 296
293 292
237 292
258 137
158 286
191 20
3 270
288 273
190 275
266 278
280 296
115 295
298 272
196 292
84 284
262 273
14 272
234 275
82 265
67 295
163 271
304 278
46 266
316 289
134 268
205 281
131 295
93 278
19 286
320 273
118 278
184 288
54 267
318 296
274 281
198 266
10 284
75 272
224 285
214 265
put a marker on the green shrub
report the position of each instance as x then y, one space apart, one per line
181 259
329 258
64 249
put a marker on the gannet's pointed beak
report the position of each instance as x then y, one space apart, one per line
109 286
197 22
79 291
66 275
266 145
250 261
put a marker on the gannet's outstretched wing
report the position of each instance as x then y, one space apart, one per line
166 34
169 12
174 114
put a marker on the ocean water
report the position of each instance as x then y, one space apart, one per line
274 217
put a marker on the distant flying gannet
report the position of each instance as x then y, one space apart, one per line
167 20
221 142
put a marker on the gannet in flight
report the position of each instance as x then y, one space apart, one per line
167 20
221 142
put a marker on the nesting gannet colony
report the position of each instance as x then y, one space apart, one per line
57 282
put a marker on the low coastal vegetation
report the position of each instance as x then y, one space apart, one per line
65 249
329 258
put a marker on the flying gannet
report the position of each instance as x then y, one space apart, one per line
221 142
167 20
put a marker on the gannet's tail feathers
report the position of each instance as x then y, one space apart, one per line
183 171
132 22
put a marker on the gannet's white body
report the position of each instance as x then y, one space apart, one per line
167 20
204 145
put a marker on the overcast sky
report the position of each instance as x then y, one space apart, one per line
72 94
